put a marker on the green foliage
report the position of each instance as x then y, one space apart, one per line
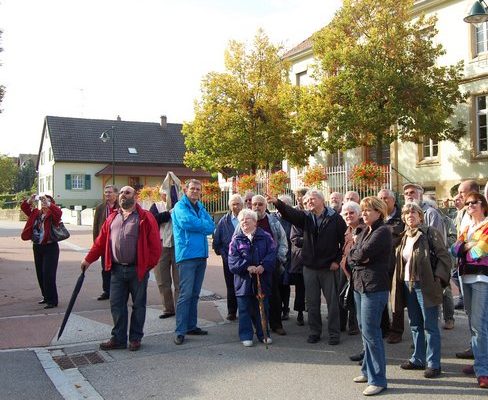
242 121
26 176
8 174
378 80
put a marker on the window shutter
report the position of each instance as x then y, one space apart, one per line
67 182
87 182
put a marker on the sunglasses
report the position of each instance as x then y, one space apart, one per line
472 203
125 192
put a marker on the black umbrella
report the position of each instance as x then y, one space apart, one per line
71 303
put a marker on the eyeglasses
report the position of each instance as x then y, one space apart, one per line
472 203
248 200
258 204
125 192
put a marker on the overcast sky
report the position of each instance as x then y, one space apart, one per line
139 59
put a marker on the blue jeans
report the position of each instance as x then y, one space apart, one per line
122 283
191 273
476 305
369 309
425 329
249 315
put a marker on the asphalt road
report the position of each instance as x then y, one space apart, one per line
216 366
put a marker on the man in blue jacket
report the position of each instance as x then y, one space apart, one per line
191 225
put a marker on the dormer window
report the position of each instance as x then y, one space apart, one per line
132 150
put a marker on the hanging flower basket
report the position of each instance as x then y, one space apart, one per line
246 183
210 191
366 173
277 183
314 177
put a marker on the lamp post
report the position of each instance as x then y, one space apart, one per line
105 137
478 13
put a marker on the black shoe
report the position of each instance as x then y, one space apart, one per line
432 372
466 354
103 296
459 305
300 321
285 316
313 339
334 341
179 339
357 357
49 305
197 332
410 365
167 315
279 331
43 301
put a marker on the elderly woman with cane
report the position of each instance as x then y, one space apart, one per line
252 257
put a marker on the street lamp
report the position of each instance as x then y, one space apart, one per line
478 13
105 137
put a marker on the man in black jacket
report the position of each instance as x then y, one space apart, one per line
323 241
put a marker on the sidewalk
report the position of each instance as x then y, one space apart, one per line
213 367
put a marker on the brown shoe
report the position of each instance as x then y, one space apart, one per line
134 345
279 331
466 354
393 338
231 317
449 324
112 345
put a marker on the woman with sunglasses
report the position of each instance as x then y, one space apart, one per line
472 250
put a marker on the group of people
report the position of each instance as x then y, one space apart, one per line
368 257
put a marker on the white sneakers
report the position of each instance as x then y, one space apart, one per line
247 343
360 379
371 390
268 340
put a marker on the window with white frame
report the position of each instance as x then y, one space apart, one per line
41 185
49 180
43 157
50 156
481 38
430 149
77 181
481 126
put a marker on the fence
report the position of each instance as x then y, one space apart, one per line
337 181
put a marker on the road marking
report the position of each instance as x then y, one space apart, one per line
73 246
71 384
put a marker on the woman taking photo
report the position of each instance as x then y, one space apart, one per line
472 250
46 251
422 270
370 259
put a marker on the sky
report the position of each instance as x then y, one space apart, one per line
139 59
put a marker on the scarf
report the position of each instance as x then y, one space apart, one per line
415 234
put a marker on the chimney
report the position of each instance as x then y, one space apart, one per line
118 118
164 121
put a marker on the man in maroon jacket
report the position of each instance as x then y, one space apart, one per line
130 242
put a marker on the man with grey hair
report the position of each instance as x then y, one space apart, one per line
220 244
269 223
335 201
323 242
352 196
102 211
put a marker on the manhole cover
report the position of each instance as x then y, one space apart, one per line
212 297
78 360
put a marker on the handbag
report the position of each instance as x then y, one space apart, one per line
346 296
59 233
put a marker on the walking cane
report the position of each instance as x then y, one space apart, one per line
264 322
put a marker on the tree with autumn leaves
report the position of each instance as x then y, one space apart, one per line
242 121
378 80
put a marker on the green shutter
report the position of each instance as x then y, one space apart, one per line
67 182
87 182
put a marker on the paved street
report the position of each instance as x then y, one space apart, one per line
37 366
